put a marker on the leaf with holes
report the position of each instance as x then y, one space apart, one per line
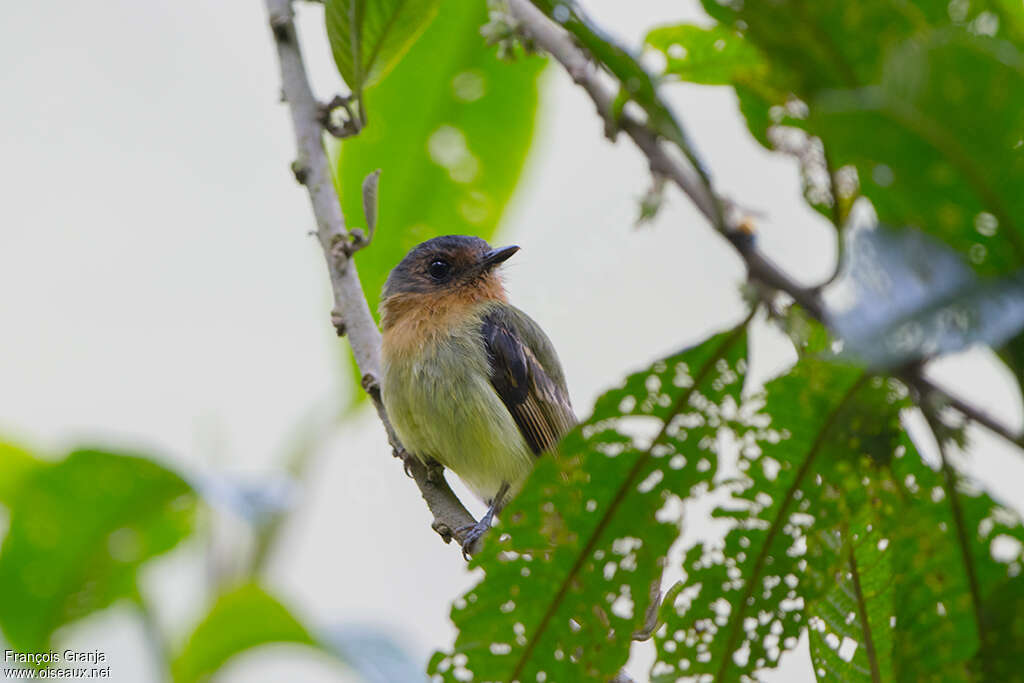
902 607
79 531
369 37
570 569
849 630
744 600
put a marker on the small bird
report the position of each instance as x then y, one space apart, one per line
469 380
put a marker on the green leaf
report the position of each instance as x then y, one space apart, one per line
443 168
245 617
850 633
938 143
15 464
79 531
569 572
743 603
709 56
242 618
840 528
369 37
923 100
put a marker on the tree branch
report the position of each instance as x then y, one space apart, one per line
351 314
552 38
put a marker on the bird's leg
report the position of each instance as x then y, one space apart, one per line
472 533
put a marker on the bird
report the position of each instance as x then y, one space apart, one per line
469 381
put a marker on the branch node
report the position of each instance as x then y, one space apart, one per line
280 25
338 322
349 125
435 471
300 171
371 385
443 530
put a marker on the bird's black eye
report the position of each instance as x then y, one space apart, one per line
439 269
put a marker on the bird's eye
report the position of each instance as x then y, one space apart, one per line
439 269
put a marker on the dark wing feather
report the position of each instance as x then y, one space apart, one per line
527 376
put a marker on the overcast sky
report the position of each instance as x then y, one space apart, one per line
158 290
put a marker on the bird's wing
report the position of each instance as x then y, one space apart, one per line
527 376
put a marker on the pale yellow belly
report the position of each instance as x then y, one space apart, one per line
443 406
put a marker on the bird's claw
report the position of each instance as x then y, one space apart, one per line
471 535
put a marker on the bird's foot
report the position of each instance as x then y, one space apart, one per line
472 533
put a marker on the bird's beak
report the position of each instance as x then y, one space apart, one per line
496 256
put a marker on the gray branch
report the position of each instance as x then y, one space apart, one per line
351 314
560 45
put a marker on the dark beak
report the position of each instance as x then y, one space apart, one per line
496 256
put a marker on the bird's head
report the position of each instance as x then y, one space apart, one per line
444 271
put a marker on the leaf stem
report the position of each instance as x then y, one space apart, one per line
865 625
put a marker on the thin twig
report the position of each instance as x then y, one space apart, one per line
351 314
559 44
929 389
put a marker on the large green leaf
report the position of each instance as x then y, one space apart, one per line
937 144
444 170
902 602
742 606
570 568
841 528
368 37
79 531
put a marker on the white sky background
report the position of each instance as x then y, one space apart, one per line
157 290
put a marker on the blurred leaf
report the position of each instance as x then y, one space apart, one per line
568 578
709 56
259 501
368 37
242 618
903 296
939 143
444 169
923 100
79 531
247 617
15 464
373 654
